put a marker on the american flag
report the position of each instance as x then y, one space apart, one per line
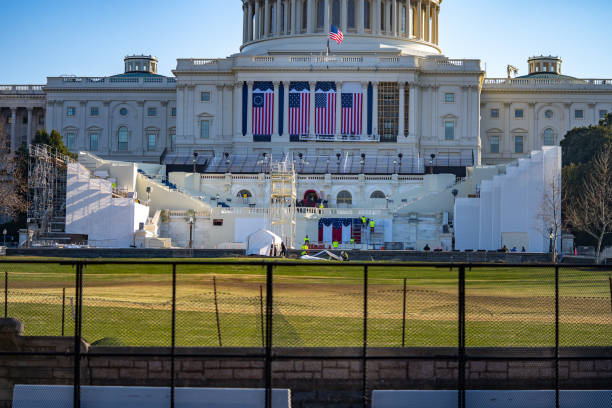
325 108
299 108
336 34
263 108
352 111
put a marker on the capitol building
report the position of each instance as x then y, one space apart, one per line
382 122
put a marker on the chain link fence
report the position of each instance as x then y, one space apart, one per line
370 326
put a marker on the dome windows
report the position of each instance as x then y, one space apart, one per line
549 114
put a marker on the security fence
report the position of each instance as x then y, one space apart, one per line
330 331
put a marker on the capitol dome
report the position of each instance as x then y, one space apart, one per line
407 27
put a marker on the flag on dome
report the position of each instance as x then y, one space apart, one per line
263 108
336 34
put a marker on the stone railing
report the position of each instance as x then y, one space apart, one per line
530 82
99 82
340 138
20 89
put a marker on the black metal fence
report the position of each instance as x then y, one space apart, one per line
453 310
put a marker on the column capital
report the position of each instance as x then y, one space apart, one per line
250 83
276 83
106 103
164 103
82 103
220 87
140 103
312 84
30 109
238 84
402 84
364 84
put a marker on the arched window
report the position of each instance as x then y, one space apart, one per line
382 16
351 14
320 14
272 24
304 15
378 194
366 15
336 13
344 199
122 138
549 137
244 194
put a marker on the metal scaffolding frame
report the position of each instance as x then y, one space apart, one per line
47 170
283 196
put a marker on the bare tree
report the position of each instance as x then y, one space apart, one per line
591 212
13 186
549 212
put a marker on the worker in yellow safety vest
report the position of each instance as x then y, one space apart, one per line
321 205
352 241
304 249
335 244
363 220
372 224
306 239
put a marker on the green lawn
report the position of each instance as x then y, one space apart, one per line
315 305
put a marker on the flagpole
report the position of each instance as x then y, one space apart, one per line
328 47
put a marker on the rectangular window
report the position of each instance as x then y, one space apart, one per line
204 129
152 112
602 114
494 144
388 111
519 114
205 96
173 112
70 140
518 144
70 111
494 113
579 114
41 120
172 142
123 139
449 97
151 141
94 111
449 130
93 142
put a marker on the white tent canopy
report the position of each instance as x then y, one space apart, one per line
263 242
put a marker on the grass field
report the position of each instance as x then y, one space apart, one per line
315 306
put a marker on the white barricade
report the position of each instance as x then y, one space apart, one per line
61 396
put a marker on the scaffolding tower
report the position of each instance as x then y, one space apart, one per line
47 169
283 201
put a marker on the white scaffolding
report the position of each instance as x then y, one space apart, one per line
283 197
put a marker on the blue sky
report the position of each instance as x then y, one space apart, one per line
90 37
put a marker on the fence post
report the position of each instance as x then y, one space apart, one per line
63 310
269 315
217 311
261 316
5 294
557 402
404 317
173 336
364 357
77 334
461 340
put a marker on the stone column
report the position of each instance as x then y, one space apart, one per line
294 19
402 113
286 18
338 107
409 23
286 109
14 146
394 18
428 21
250 109
419 20
413 96
344 16
388 18
163 133
245 29
250 22
311 127
109 130
377 17
238 109
277 29
535 141
375 108
29 137
266 16
83 132
220 111
507 136
364 110
310 21
141 131
276 109
326 20
257 20
360 16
